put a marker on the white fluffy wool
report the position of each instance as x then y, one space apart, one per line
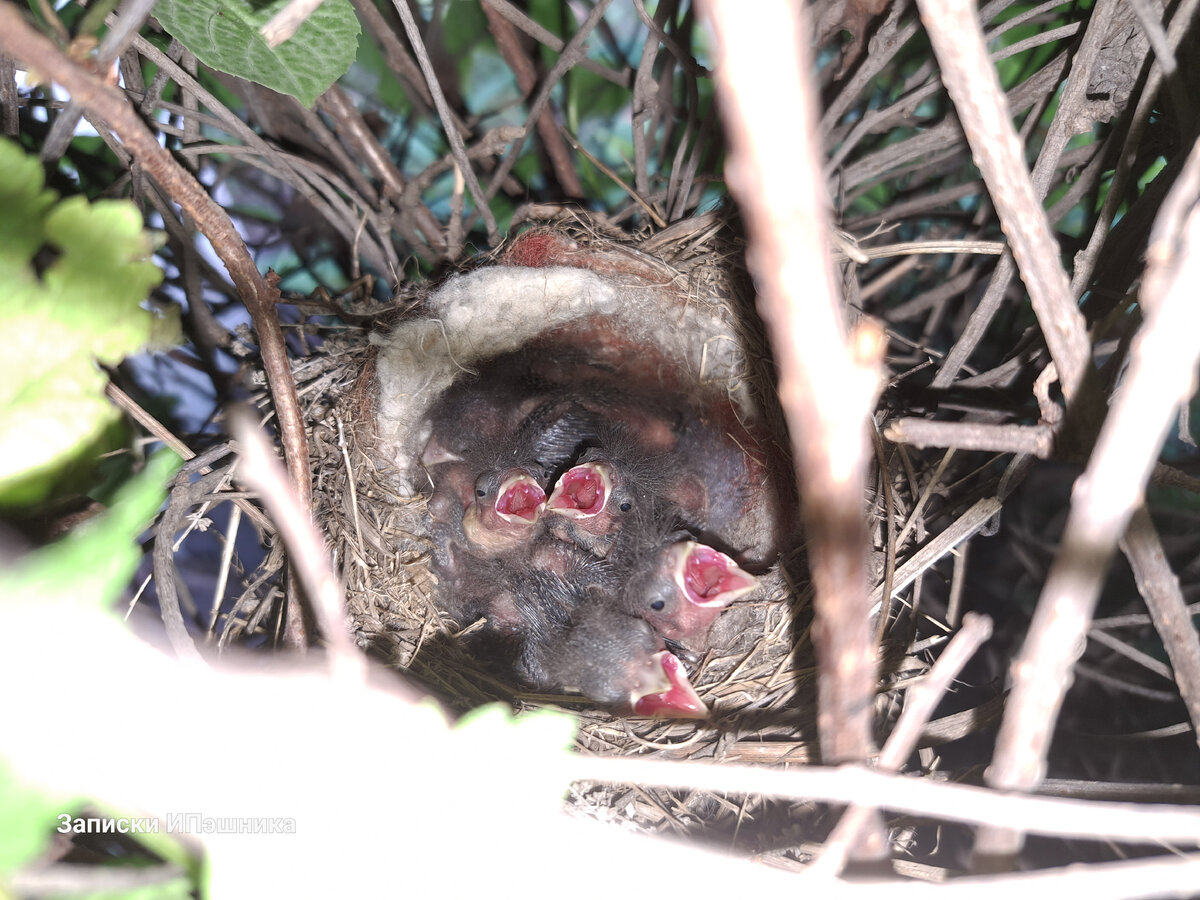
480 314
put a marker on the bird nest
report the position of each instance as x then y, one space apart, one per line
680 301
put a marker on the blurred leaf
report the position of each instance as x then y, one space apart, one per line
224 35
94 563
535 747
82 307
27 818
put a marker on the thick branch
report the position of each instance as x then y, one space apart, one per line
827 394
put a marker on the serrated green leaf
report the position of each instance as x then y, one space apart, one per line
94 563
83 308
224 35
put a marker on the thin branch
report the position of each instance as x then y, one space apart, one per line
1037 440
967 525
1163 361
540 34
510 48
575 50
1089 258
121 29
974 87
920 703
448 122
288 20
1159 587
261 472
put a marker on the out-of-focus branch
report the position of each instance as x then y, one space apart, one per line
448 122
509 45
121 29
1160 375
261 471
827 383
285 23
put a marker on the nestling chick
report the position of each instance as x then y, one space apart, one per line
507 499
616 659
681 588
505 512
612 482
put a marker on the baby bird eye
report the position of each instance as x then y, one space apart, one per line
626 506
480 492
658 605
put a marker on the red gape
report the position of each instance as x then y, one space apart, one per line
580 489
679 700
710 575
523 499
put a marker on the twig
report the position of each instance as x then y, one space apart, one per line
919 705
261 472
287 21
448 123
1070 118
353 129
510 48
1160 589
923 796
1037 440
160 431
575 50
1163 361
121 29
916 248
10 113
301 720
637 198
399 60
540 34
182 498
74 878
971 80
967 525
1087 260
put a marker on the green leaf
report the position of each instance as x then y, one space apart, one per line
91 565
224 35
27 818
94 563
83 307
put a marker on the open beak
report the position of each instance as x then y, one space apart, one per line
520 499
672 696
582 491
708 577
